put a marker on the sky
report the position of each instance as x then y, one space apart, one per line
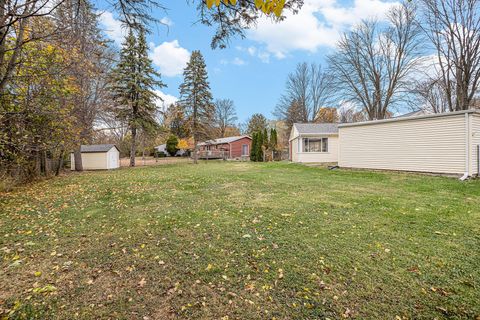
251 71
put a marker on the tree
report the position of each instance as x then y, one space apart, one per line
133 84
225 115
176 121
256 123
453 26
196 100
273 141
172 145
328 115
307 90
89 66
253 152
372 65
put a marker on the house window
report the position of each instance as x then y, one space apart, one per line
315 144
244 149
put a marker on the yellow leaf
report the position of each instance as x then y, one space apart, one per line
210 3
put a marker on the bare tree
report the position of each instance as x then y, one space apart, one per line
453 26
225 115
373 63
307 91
432 95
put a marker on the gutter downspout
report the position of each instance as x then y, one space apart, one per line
467 148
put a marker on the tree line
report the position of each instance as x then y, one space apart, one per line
58 91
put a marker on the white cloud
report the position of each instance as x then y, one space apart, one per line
168 99
263 55
166 21
170 57
112 27
236 61
319 23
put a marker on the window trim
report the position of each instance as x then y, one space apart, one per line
301 145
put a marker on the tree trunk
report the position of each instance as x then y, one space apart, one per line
77 156
195 151
133 147
60 162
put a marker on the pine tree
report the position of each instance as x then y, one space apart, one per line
273 141
253 152
265 145
196 99
259 146
134 81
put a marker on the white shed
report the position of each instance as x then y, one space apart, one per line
438 143
314 143
98 157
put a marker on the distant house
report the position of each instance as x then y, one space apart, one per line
226 148
163 149
314 142
98 157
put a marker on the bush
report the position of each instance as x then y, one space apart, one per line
172 143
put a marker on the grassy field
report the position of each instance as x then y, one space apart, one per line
241 241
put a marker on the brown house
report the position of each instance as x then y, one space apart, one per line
226 148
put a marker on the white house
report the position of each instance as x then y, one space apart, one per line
437 143
314 142
98 157
163 148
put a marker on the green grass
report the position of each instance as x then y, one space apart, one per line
241 241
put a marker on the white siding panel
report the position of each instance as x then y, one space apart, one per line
428 145
475 141
295 150
326 157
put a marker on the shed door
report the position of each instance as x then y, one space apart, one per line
113 160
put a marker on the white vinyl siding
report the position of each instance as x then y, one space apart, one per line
435 144
475 141
330 156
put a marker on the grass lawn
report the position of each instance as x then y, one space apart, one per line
241 241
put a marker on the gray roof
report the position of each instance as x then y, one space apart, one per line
316 128
414 113
97 148
222 140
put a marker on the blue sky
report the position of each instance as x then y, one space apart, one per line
251 71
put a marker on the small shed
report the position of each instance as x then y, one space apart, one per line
314 143
98 157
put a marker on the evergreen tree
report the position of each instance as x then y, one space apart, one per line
253 152
259 146
134 81
172 143
196 99
265 145
273 141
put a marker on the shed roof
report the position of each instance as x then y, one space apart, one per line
316 128
92 148
223 140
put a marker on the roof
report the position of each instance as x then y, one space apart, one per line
406 118
92 148
223 140
316 128
414 113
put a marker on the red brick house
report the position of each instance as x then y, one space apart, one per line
226 148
